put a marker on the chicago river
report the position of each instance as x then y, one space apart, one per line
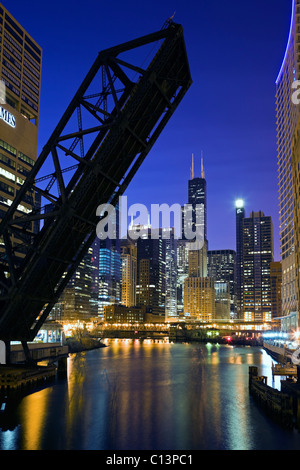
145 395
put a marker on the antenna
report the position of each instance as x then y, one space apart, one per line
192 169
202 167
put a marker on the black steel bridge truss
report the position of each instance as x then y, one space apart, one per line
106 132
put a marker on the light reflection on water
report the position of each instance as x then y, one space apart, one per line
149 395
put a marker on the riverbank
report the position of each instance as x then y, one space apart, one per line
84 343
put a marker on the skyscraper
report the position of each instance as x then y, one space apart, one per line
287 114
239 217
171 274
257 259
20 82
199 290
197 197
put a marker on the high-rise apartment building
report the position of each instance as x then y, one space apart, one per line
286 117
257 258
20 83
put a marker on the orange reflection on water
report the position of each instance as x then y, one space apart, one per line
33 416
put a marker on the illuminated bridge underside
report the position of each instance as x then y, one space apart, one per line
103 137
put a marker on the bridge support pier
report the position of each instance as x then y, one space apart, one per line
27 353
62 365
7 352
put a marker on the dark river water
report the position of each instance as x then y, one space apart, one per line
145 395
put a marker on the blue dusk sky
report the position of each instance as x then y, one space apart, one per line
235 50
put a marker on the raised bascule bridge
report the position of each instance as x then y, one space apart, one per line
108 129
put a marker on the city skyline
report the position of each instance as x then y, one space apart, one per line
228 114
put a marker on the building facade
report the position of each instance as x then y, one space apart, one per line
276 284
20 83
286 117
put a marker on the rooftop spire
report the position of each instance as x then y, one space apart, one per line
192 169
202 167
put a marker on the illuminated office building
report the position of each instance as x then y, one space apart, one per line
151 273
222 300
110 273
171 274
199 298
79 300
129 273
287 114
20 82
182 271
221 267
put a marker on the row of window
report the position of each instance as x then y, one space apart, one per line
10 149
18 34
12 164
12 61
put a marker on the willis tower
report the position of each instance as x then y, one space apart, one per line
197 197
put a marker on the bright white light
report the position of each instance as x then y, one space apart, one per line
239 203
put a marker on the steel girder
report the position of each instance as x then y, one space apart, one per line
98 145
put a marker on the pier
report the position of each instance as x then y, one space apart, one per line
278 405
47 359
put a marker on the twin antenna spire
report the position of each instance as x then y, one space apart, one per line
202 167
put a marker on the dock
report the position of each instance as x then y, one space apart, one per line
287 370
278 405
18 377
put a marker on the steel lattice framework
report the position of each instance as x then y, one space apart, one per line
98 145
